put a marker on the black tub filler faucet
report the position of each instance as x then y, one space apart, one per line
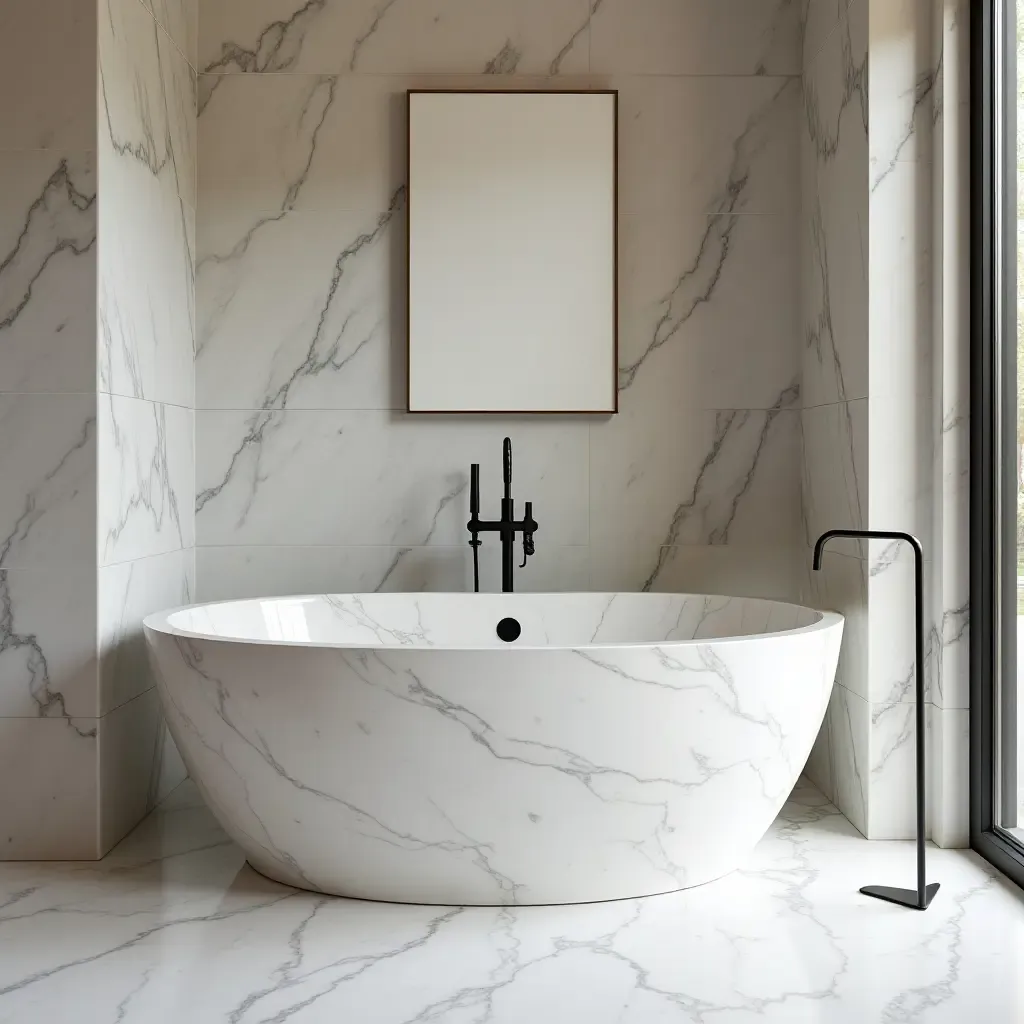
921 897
507 526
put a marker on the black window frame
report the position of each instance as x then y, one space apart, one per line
993 359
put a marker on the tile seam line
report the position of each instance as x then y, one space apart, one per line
170 38
839 20
570 81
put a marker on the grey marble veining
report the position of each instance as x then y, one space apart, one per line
48 503
300 313
147 156
375 36
47 271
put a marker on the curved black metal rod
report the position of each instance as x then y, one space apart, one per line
920 899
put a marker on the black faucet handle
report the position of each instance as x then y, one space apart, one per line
529 527
474 489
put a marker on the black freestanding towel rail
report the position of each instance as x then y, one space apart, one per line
921 898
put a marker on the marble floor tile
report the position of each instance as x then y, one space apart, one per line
173 926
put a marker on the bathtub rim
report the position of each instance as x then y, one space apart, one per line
158 622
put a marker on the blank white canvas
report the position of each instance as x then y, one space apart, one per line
512 252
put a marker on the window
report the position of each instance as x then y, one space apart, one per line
997 434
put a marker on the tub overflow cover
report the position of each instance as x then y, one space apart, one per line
509 630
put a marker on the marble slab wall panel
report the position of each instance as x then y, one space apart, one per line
47 270
848 734
691 313
951 423
127 593
834 221
733 37
236 571
147 213
48 234
139 765
694 478
744 570
951 305
900 188
818 19
300 293
180 20
48 642
950 777
834 369
349 477
902 492
146 467
48 468
834 442
146 379
49 789
378 36
48 62
904 71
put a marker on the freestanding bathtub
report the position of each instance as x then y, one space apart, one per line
393 747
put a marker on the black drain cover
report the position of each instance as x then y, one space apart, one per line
509 630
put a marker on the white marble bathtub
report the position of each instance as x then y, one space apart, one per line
392 747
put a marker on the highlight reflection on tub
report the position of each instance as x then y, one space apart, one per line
393 747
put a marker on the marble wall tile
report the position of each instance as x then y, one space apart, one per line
312 477
380 36
236 572
834 287
951 359
818 20
691 477
891 670
48 469
891 782
48 660
146 341
692 304
273 143
835 485
48 61
701 37
137 768
842 585
900 491
904 72
48 789
146 465
47 270
146 99
171 771
835 219
312 163
735 569
949 806
746 161
333 338
180 20
147 164
819 764
901 284
127 593
849 730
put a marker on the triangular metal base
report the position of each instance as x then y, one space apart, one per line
904 897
